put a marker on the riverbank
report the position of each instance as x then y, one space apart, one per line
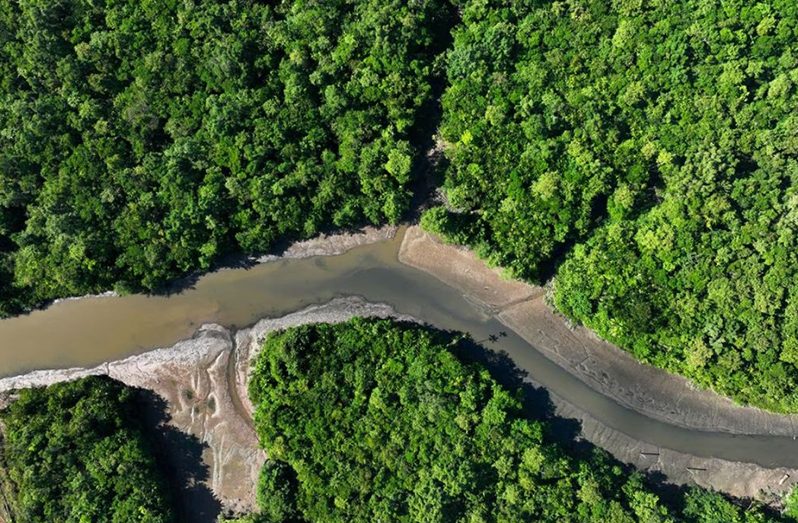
332 244
203 382
89 330
613 373
618 402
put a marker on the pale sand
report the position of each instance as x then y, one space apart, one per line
203 381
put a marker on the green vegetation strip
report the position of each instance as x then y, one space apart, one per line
372 420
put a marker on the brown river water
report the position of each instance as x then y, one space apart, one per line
90 331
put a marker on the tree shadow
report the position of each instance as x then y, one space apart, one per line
535 401
566 432
180 457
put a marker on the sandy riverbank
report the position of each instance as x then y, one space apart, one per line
203 381
612 372
333 244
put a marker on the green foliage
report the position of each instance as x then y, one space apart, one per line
703 506
791 504
277 492
141 140
75 452
653 143
376 421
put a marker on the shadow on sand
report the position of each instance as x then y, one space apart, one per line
180 456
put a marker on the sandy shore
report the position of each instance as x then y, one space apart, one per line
333 244
606 368
612 372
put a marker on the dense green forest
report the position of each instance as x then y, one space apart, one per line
643 153
653 146
141 140
76 452
372 420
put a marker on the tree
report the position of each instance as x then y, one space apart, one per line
372 420
76 451
641 155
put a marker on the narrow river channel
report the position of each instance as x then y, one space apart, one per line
89 331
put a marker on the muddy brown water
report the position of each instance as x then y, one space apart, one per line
90 331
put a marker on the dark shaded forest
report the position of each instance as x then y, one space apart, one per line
77 452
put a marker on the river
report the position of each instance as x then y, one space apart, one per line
90 331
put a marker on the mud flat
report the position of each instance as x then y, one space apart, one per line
642 415
333 244
203 381
615 374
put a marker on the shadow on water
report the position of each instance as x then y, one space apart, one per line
566 432
535 401
180 458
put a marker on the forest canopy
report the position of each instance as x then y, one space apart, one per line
142 140
652 146
76 452
644 154
371 420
